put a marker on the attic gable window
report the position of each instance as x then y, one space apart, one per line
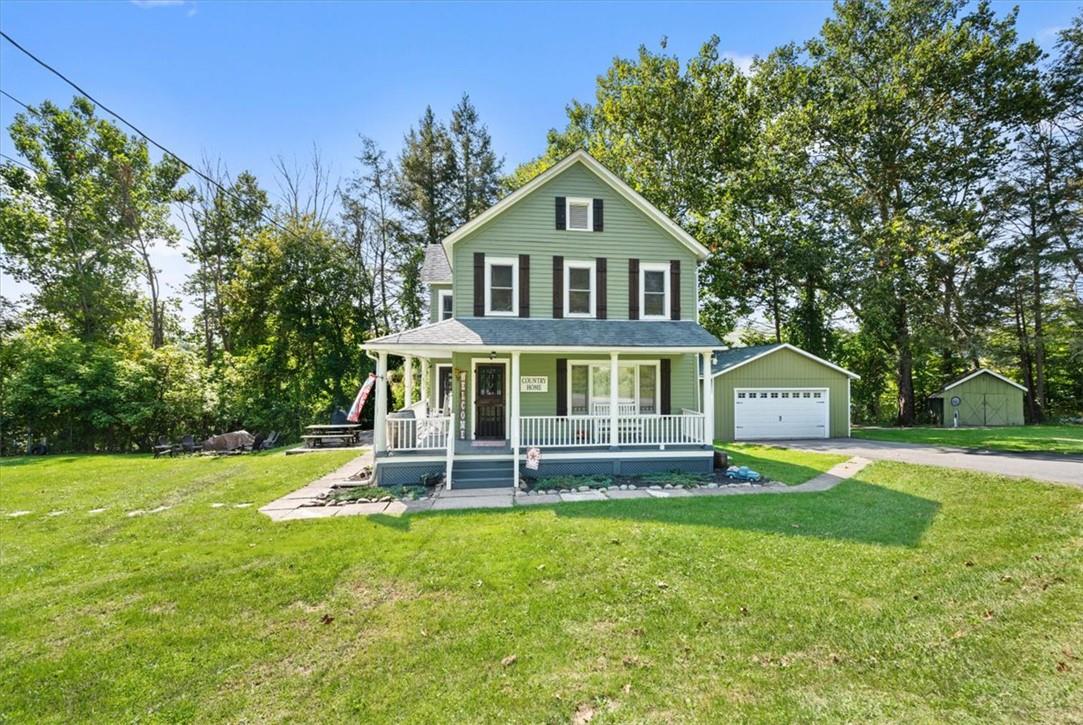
580 214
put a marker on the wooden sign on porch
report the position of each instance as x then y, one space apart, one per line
533 383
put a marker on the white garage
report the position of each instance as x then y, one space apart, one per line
760 413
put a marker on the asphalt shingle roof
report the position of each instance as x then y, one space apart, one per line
526 333
727 359
435 269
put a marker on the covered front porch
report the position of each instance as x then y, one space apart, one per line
467 403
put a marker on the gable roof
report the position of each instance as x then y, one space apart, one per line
435 269
734 358
976 373
579 157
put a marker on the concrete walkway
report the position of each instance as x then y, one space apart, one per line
299 504
1049 467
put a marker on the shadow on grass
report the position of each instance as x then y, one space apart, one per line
852 511
782 471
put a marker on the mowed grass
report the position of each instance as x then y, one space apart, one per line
906 594
780 464
1022 438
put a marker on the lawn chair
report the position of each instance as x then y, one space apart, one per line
271 441
188 445
164 447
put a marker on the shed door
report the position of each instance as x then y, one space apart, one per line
780 413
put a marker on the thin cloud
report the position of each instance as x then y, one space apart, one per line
743 61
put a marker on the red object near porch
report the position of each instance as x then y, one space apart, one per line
359 401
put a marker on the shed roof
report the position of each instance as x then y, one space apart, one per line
976 373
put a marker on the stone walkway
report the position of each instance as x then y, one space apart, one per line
297 505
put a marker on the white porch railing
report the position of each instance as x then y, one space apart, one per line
418 434
564 430
659 430
552 431
623 408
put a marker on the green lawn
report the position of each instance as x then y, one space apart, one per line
907 594
780 464
1042 438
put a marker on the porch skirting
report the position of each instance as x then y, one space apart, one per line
409 468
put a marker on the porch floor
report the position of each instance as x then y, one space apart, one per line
502 449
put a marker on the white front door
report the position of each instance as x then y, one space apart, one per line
780 413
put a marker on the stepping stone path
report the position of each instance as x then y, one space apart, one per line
16 514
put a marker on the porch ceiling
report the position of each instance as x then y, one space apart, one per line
513 333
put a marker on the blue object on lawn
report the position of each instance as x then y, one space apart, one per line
742 473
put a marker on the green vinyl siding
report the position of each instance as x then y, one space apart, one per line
528 227
683 381
985 400
434 301
782 369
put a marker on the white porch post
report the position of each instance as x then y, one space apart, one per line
614 392
708 400
425 393
515 431
408 382
379 423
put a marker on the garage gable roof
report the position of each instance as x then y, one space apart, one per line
983 371
729 360
607 176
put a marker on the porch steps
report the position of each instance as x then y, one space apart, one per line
471 474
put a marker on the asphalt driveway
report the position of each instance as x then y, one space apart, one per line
1052 467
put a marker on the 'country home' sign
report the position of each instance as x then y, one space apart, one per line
534 384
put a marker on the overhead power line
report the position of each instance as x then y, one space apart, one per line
210 180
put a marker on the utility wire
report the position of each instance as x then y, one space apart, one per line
129 124
18 163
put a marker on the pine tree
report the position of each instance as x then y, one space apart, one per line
477 169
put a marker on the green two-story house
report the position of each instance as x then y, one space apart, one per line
562 324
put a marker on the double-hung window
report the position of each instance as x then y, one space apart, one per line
654 291
501 286
638 391
447 308
579 298
580 214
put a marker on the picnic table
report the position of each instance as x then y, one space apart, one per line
344 435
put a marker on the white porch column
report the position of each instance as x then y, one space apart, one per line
425 393
515 430
708 400
408 382
379 424
614 392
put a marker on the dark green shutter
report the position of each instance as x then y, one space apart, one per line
524 285
558 287
479 284
633 289
598 213
602 291
562 386
664 385
562 210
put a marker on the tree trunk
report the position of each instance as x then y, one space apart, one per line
905 368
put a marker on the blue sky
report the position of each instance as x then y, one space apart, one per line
245 82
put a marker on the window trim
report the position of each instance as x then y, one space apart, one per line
662 267
636 364
568 201
491 262
591 265
440 296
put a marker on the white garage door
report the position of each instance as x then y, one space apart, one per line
780 413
